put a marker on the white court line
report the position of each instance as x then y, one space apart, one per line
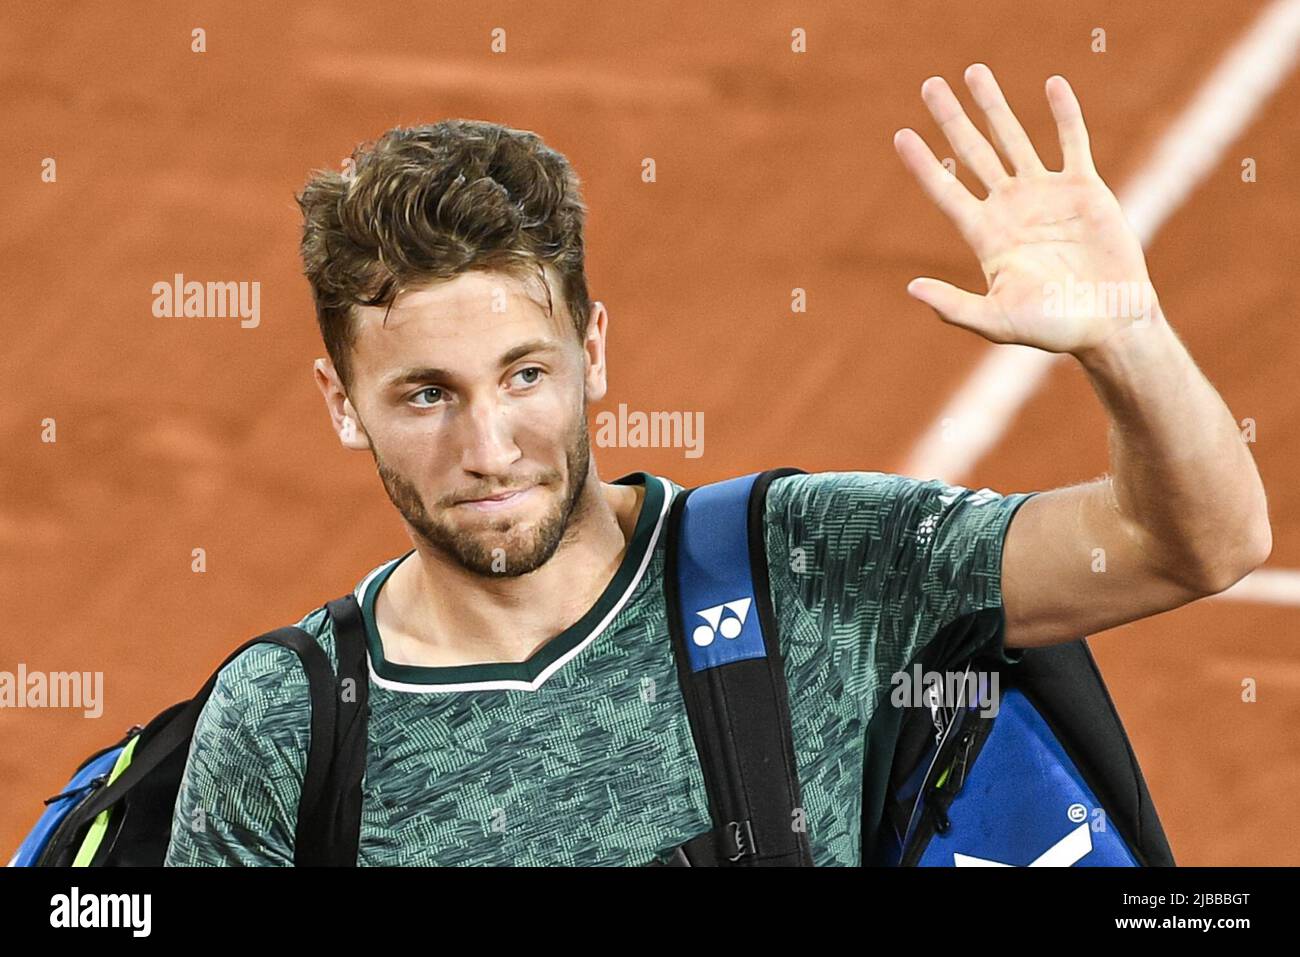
982 409
1272 586
980 412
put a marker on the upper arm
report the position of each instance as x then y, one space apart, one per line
884 562
237 804
1073 566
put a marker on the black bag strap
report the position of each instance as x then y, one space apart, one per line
180 729
738 707
329 833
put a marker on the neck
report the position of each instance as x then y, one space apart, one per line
433 612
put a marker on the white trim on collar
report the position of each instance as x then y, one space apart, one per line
515 684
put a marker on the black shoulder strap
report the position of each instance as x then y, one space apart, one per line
179 730
732 676
329 822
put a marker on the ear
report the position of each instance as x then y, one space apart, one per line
594 348
347 424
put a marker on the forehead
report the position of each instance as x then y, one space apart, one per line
468 320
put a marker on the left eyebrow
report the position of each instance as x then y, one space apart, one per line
416 374
527 348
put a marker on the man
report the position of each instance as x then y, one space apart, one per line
524 703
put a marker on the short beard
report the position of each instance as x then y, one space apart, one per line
509 555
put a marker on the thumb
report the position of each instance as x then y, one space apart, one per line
955 306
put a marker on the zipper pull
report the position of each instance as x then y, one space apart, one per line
97 781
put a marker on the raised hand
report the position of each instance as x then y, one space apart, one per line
1065 271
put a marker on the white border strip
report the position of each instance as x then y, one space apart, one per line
982 410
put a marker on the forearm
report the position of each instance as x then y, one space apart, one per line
1183 479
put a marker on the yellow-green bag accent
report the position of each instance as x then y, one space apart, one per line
96 833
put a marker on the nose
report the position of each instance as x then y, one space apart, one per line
487 445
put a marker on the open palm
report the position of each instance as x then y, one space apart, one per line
1064 268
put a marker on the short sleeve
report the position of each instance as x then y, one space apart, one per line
886 564
238 800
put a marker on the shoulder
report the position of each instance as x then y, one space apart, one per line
804 489
267 664
836 496
272 672
830 489
817 502
264 689
841 503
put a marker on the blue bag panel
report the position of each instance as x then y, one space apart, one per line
1025 804
714 582
29 852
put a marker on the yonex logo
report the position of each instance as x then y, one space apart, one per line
720 622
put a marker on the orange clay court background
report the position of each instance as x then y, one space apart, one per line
774 171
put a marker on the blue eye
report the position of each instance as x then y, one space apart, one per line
431 388
531 369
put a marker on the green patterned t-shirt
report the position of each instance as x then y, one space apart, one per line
583 754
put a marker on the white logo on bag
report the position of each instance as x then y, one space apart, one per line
728 627
1066 852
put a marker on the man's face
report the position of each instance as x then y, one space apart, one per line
468 391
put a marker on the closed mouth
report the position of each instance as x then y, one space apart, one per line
498 497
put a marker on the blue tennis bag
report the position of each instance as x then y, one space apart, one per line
1041 774
1045 777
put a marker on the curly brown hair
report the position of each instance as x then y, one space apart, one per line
427 203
